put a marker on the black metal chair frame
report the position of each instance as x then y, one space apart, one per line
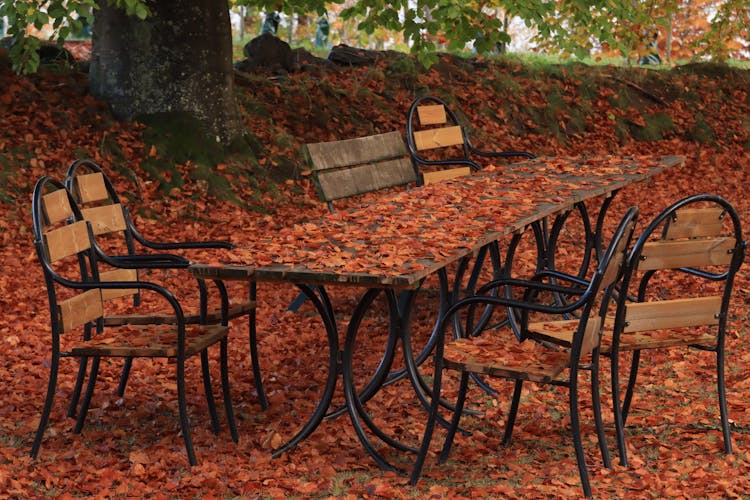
602 284
468 148
88 259
158 261
635 290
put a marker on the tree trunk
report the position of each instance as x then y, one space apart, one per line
179 60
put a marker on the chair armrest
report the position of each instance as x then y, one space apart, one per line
144 261
175 245
496 154
559 275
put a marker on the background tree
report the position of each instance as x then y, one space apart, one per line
175 56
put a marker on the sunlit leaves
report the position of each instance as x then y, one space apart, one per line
63 16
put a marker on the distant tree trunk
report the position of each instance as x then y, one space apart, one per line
669 39
179 60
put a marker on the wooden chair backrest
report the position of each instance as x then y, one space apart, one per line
438 132
97 207
692 238
436 137
63 237
356 166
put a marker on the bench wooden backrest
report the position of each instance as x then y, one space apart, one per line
356 166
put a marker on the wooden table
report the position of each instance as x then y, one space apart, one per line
405 237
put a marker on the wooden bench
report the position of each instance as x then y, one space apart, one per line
351 167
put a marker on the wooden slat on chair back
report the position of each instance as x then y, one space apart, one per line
81 309
67 240
56 206
614 266
105 219
444 175
118 275
355 166
591 335
432 114
673 254
90 188
438 137
695 223
676 313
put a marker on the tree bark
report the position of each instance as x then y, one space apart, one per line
179 60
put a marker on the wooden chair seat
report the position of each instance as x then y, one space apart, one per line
561 332
213 316
487 355
158 341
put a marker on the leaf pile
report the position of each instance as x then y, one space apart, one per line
131 446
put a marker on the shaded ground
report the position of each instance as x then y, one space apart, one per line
131 447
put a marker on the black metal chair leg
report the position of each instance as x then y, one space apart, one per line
48 400
722 390
432 416
631 386
124 376
254 359
228 409
184 421
87 395
575 426
209 391
617 408
75 396
597 407
517 386
462 389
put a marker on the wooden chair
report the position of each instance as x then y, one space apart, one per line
79 295
675 294
100 204
497 353
432 125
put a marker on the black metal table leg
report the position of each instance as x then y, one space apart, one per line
323 305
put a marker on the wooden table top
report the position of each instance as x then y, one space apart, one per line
408 235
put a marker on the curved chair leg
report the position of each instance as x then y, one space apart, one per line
87 396
184 421
518 385
432 417
75 397
44 419
252 328
575 426
124 376
209 391
616 408
456 418
597 407
722 390
228 409
631 386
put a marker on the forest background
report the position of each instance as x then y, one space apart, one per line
179 189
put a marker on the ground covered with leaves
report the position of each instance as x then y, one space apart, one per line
131 446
